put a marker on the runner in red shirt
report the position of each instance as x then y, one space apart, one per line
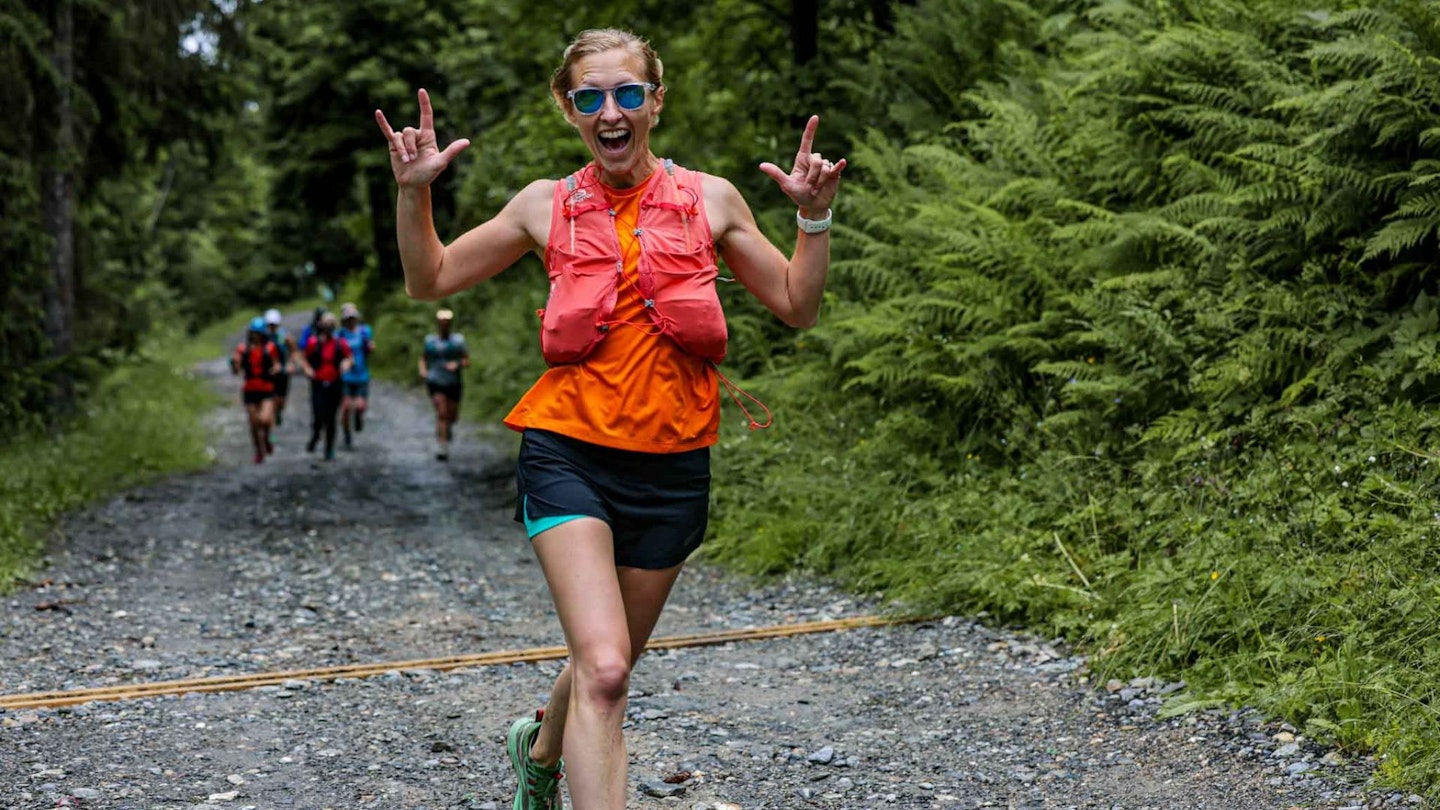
259 361
324 359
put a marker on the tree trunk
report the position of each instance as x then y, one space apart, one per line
57 200
382 223
804 31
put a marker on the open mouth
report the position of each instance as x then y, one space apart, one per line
614 141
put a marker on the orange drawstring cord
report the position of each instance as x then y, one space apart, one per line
732 389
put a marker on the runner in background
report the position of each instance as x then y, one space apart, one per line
286 346
355 383
324 359
310 328
441 363
257 359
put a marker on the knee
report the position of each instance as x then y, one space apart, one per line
603 678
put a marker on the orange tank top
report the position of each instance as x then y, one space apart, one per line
638 390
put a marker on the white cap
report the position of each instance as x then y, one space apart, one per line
349 311
272 316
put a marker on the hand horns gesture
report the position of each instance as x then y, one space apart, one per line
813 181
415 155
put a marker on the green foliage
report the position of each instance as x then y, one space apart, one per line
141 421
1140 349
164 184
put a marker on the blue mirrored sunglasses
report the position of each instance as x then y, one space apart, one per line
589 100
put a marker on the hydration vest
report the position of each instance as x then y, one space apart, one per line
255 365
677 267
324 357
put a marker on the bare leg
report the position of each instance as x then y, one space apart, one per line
267 421
440 403
346 405
644 593
578 559
579 565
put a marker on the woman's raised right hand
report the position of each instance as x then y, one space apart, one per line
415 154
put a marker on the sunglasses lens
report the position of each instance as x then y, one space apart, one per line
630 96
588 101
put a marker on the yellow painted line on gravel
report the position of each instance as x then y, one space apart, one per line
136 691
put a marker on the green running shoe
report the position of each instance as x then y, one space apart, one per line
539 786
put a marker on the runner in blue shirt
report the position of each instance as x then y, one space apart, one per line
440 366
355 384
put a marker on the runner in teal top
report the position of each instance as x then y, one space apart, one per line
445 355
355 384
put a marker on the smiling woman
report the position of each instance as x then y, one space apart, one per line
614 466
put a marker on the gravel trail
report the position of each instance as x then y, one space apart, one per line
388 555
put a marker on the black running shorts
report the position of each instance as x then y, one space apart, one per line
255 397
451 392
657 504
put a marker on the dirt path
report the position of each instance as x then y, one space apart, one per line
386 554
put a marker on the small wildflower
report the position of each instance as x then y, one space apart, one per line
1090 360
1320 639
1372 459
1214 575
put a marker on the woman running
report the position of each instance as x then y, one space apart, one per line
324 359
259 361
613 472
441 364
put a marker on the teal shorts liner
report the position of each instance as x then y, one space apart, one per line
657 505
534 527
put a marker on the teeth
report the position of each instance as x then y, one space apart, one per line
614 133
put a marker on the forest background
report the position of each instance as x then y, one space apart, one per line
1131 334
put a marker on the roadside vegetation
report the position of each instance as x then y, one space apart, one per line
141 421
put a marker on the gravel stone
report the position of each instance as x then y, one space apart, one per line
386 555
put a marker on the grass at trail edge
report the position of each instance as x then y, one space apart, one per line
142 421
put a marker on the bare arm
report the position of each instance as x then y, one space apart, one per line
793 288
432 269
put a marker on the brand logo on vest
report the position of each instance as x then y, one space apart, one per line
579 196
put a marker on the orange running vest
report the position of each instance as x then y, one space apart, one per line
677 267
636 390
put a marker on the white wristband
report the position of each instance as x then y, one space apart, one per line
814 225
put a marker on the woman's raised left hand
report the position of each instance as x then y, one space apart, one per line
813 181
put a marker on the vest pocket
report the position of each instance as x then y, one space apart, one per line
582 294
686 306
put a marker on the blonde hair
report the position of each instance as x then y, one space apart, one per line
600 40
